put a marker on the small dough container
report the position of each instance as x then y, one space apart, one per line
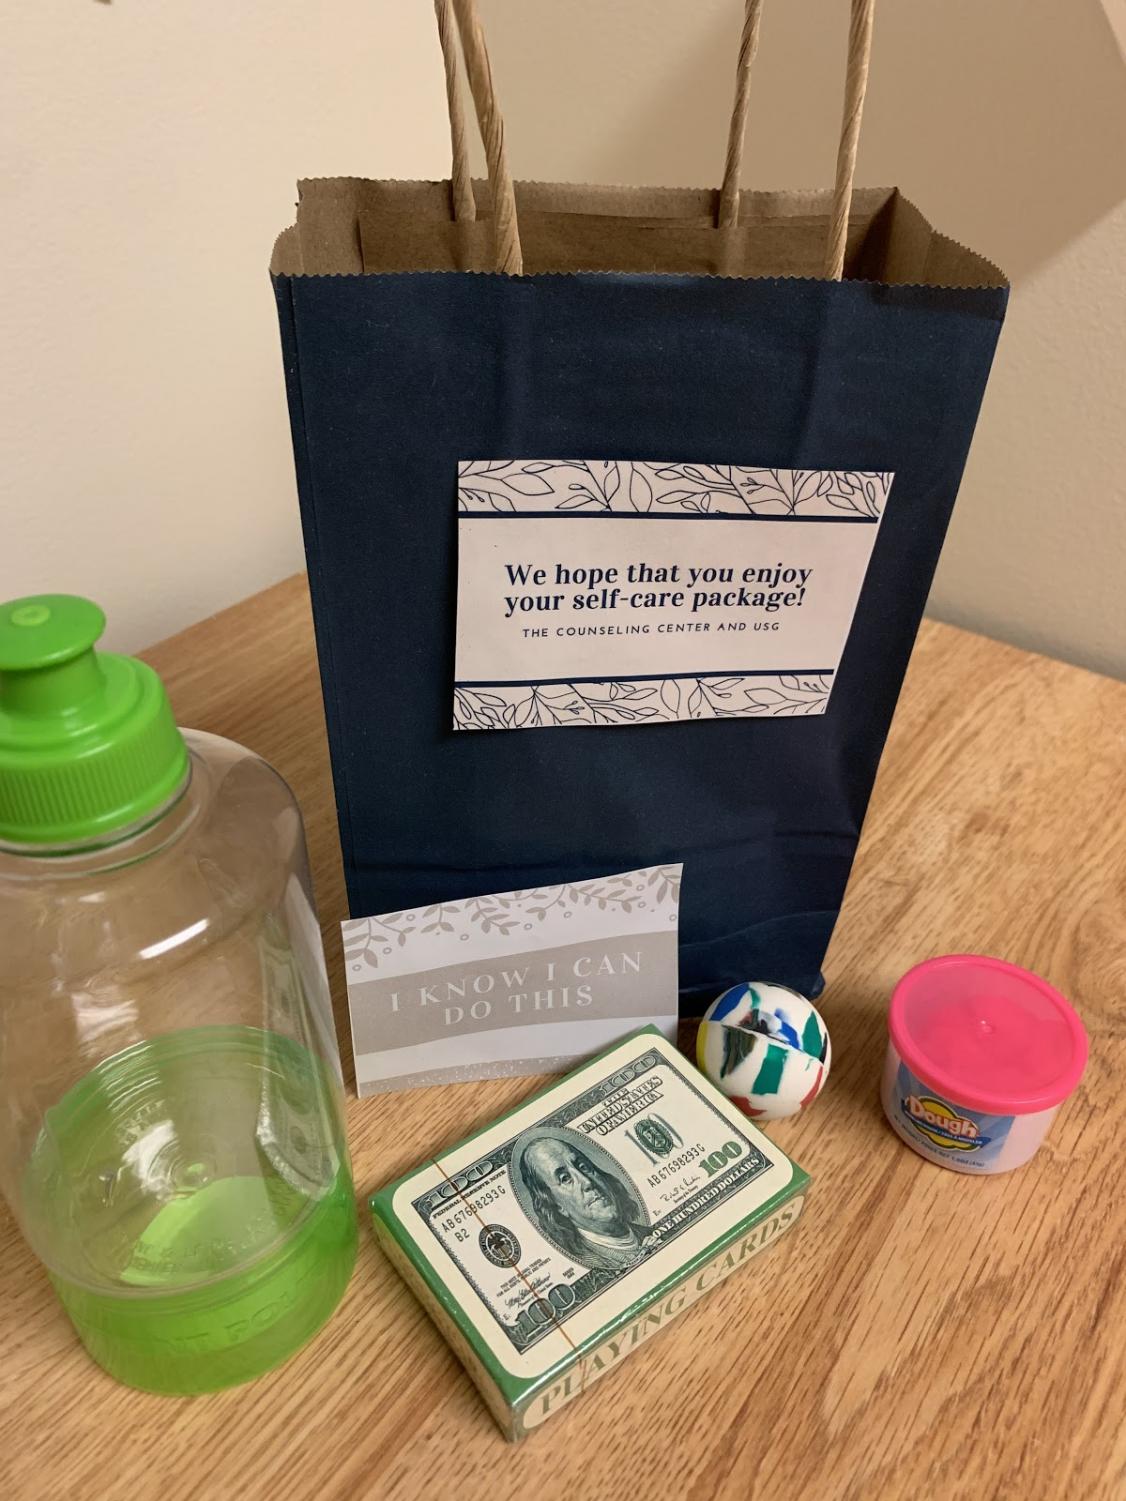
980 1056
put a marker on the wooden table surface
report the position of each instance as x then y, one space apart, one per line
921 1335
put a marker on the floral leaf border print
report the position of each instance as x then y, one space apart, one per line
628 487
647 900
509 706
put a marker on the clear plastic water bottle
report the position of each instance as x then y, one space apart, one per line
171 1123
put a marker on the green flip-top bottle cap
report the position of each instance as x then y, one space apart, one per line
88 744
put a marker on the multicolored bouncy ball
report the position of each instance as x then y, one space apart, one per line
766 1048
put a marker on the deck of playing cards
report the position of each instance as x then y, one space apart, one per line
554 1242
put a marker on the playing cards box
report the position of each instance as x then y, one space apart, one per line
556 1241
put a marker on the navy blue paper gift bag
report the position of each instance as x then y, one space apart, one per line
723 336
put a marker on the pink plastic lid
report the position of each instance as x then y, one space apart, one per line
987 1035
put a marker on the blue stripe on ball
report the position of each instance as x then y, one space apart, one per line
729 1000
785 1029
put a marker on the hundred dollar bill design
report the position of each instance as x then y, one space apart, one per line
573 1202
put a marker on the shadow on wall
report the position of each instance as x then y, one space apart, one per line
1002 122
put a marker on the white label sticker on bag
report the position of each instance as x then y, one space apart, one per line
595 592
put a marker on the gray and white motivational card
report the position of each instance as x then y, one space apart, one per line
523 982
597 592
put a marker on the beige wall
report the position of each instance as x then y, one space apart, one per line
150 154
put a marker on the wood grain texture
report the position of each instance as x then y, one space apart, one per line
920 1335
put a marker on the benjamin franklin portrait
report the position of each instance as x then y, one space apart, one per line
579 1198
